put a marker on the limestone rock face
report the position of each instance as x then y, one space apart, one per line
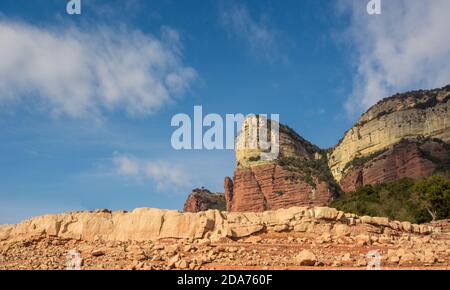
413 159
403 116
289 143
299 176
140 224
203 200
147 224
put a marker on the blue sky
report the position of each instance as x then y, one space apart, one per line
86 100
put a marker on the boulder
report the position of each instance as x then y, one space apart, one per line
325 213
238 231
407 258
341 230
306 258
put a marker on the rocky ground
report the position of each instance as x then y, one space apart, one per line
294 238
274 250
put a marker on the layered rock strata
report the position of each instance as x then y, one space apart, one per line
299 176
403 116
412 159
156 224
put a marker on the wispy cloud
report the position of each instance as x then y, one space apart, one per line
86 73
164 174
404 48
261 41
126 165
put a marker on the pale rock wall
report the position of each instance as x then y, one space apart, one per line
154 224
422 113
290 144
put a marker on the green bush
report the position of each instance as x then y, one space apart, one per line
279 193
406 200
254 158
434 192
310 168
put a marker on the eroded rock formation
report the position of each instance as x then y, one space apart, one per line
406 135
202 199
155 224
298 177
408 158
403 116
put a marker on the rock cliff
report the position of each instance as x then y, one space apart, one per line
298 177
406 135
202 200
153 239
415 114
413 158
156 224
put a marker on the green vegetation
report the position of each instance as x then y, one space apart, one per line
359 161
254 158
442 165
311 168
216 200
407 200
434 194
279 193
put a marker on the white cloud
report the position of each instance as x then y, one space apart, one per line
126 165
79 73
260 40
164 174
404 48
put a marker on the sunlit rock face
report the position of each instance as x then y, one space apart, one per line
202 199
403 116
408 158
298 176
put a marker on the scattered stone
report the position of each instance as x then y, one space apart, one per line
336 264
361 263
429 257
327 241
253 239
281 228
302 227
181 265
173 261
341 230
346 258
407 258
98 253
326 213
245 231
362 240
306 258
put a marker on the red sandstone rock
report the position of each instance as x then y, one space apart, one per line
406 159
228 190
270 187
203 200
